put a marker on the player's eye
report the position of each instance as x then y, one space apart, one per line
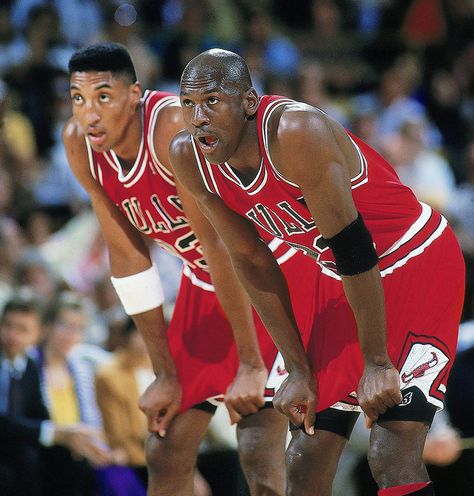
104 97
212 100
77 98
187 103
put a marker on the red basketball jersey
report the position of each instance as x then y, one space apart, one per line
423 302
400 225
147 193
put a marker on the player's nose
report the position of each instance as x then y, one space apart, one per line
199 117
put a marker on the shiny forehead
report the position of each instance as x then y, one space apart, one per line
216 70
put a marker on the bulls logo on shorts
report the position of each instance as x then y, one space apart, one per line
423 364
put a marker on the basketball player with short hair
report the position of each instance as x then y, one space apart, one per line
388 298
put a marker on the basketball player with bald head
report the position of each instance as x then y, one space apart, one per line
117 144
387 300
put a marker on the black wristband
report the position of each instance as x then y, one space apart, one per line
353 249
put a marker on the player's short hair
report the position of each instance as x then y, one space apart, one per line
225 66
103 57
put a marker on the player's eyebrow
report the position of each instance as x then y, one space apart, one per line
190 89
101 86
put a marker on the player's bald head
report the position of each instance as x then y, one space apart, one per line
226 69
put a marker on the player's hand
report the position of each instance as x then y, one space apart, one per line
160 403
379 389
246 393
296 398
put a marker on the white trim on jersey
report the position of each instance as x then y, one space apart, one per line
416 227
91 159
196 281
275 243
201 170
363 167
172 101
138 166
261 176
417 251
266 117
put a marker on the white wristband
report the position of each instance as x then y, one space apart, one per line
140 292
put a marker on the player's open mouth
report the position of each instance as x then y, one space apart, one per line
97 137
207 143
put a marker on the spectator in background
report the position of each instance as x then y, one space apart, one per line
18 155
461 213
24 424
83 18
425 171
42 53
393 101
335 45
67 383
122 25
119 384
183 41
314 91
33 272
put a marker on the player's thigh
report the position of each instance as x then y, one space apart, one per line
182 440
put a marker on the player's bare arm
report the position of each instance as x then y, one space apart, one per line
129 255
246 393
316 153
259 273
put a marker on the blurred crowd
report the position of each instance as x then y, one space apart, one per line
398 73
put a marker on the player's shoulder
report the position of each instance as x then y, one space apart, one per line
181 147
72 133
298 117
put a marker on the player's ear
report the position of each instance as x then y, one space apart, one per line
250 103
135 94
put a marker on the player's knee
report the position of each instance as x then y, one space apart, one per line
390 467
167 459
298 468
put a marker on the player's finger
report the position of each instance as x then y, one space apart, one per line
248 407
371 414
234 415
165 421
368 422
309 418
153 422
397 397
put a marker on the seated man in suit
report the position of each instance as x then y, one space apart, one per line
24 424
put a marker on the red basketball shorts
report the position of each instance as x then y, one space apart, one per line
423 301
201 340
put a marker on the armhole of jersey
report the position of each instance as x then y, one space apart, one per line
264 130
97 176
171 101
362 176
205 169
